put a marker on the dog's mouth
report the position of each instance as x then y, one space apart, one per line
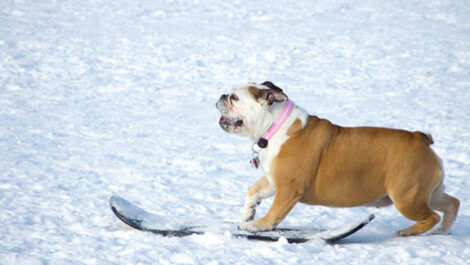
230 123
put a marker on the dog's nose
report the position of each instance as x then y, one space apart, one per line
224 97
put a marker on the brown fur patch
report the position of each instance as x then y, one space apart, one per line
297 125
255 92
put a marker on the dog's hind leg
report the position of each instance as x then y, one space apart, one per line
425 218
257 192
413 202
420 191
446 204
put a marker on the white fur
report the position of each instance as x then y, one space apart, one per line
255 199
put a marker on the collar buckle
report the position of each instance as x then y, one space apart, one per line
262 142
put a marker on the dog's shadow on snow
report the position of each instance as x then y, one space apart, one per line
384 237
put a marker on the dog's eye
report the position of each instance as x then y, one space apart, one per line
234 97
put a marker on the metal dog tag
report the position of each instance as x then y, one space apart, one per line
254 162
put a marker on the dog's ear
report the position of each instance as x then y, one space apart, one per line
271 85
268 96
274 94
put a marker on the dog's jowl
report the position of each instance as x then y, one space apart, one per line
310 160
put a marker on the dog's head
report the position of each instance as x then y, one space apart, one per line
248 109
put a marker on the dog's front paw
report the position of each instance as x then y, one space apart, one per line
254 226
249 211
248 226
249 214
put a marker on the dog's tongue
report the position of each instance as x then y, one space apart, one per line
224 120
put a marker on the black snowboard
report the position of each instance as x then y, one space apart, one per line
145 221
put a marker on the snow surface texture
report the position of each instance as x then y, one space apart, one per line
117 97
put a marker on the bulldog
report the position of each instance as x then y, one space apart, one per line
313 161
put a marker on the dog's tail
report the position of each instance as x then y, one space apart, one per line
427 138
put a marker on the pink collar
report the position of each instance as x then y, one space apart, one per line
276 125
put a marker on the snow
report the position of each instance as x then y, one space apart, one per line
102 98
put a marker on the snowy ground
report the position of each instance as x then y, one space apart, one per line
105 97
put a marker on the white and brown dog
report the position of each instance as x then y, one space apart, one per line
310 160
